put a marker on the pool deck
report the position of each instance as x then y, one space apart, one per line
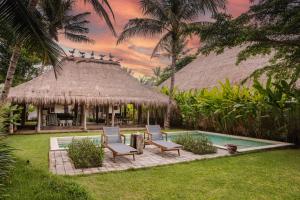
60 163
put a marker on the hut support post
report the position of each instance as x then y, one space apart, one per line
23 115
107 115
140 110
84 117
113 116
39 119
148 117
97 114
11 125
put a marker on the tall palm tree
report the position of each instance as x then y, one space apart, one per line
59 20
170 19
23 22
23 19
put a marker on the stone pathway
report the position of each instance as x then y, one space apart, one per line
60 163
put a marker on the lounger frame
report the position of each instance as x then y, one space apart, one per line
115 153
148 140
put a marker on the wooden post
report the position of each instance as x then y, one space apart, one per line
11 125
76 114
148 117
39 118
23 115
84 117
107 115
133 113
140 114
113 116
97 114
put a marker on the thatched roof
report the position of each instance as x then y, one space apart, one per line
86 81
208 71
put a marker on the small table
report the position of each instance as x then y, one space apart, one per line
137 142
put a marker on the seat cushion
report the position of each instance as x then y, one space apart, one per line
166 145
121 148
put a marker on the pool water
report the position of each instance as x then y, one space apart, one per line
63 142
218 140
221 140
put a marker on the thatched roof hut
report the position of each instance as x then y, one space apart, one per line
89 82
208 71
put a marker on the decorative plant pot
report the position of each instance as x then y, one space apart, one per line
231 148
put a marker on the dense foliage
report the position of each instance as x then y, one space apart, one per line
6 164
269 27
263 111
8 115
197 144
28 182
84 154
25 68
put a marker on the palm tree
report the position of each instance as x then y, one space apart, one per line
59 20
171 19
23 18
23 22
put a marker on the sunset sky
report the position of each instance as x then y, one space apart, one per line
135 53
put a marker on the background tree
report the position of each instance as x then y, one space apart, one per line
169 18
24 20
269 27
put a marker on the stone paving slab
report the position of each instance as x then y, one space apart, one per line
60 163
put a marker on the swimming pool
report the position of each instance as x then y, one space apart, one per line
243 143
218 140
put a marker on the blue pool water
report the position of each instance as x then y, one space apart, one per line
226 139
219 140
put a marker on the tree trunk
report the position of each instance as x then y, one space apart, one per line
171 90
11 71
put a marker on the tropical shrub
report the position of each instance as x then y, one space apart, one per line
197 144
28 182
6 118
6 164
84 153
267 111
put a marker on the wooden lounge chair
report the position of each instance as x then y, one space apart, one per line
112 140
154 136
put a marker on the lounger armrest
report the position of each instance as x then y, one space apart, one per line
166 134
124 138
104 140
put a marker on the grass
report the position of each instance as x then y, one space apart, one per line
264 175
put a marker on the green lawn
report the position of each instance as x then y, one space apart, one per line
264 175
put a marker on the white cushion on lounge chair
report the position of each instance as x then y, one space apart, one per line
121 148
167 145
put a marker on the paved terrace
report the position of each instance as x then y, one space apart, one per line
60 163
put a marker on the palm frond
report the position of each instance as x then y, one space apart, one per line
153 8
207 6
77 37
161 45
29 30
101 11
141 26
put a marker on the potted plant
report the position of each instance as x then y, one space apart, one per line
231 148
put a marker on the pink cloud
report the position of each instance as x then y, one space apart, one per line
137 58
